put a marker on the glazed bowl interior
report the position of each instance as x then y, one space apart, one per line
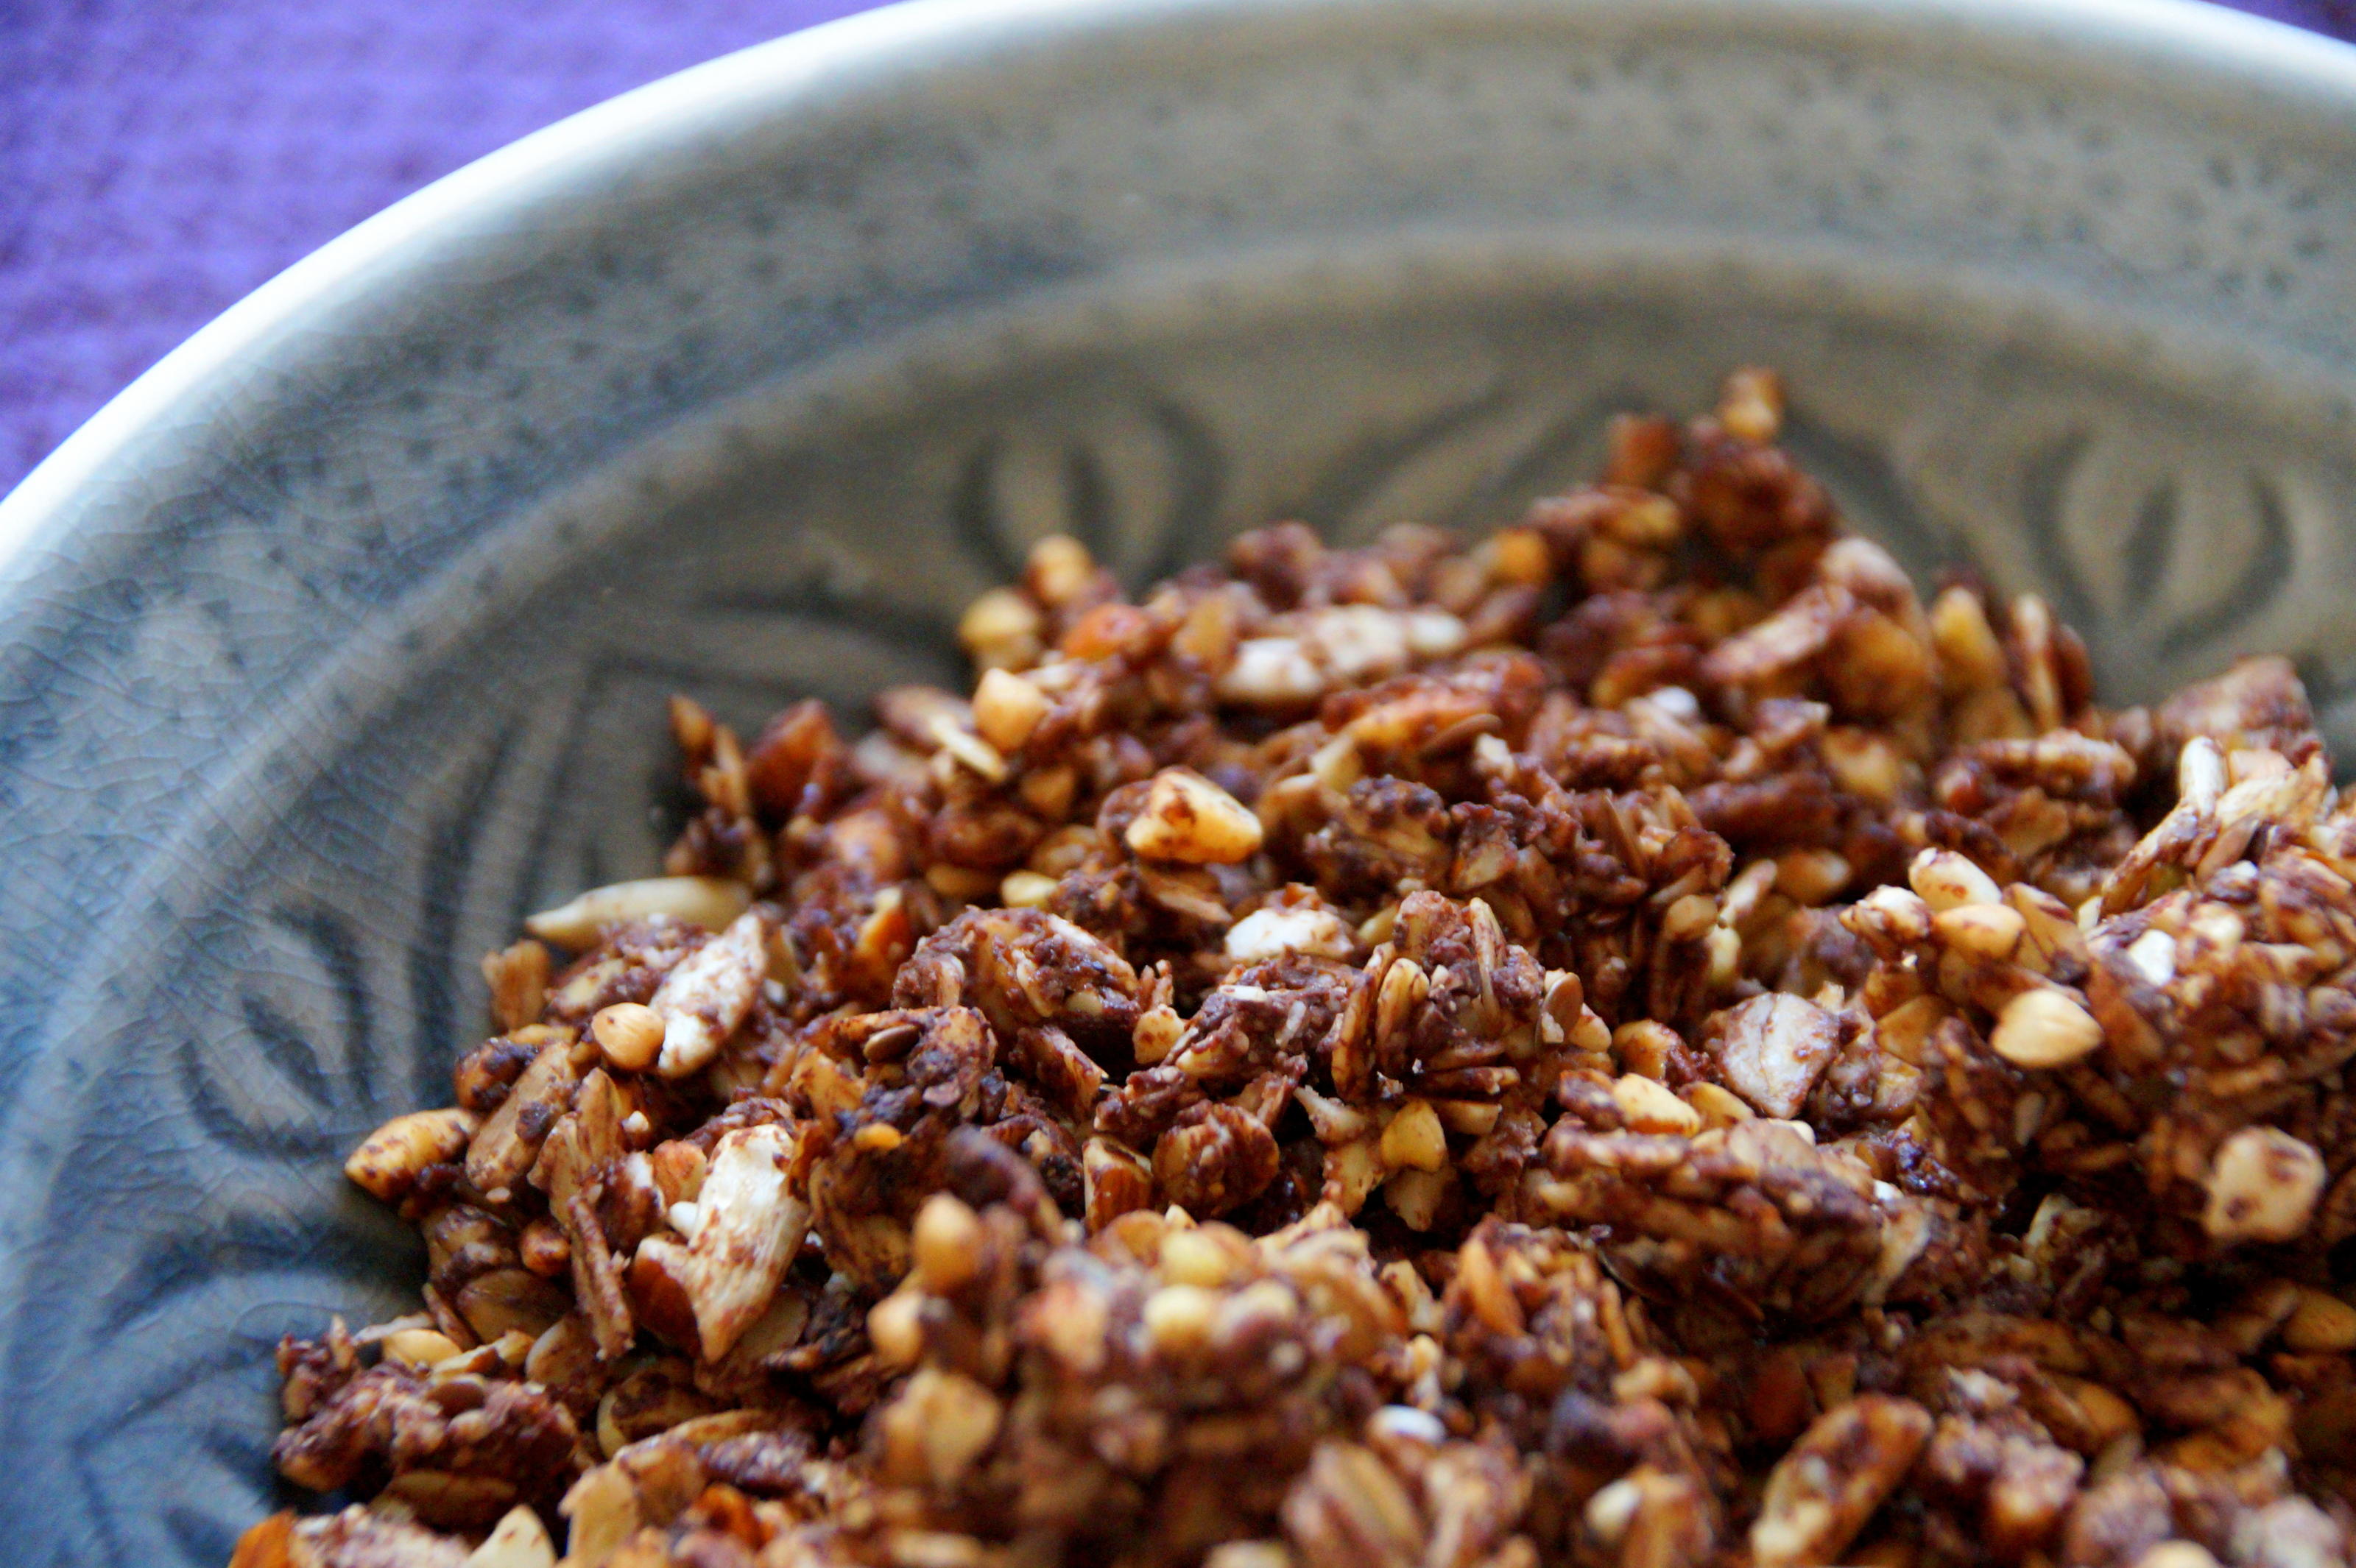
340 643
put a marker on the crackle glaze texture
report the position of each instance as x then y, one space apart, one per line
314 683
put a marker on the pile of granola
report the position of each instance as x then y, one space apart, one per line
1637 1042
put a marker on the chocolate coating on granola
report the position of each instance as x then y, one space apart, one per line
1636 1042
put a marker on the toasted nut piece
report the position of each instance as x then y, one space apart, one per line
1984 930
1189 818
1414 1138
939 1426
1272 933
1946 879
750 1227
603 1507
630 1034
1002 630
1717 1106
2262 1188
1272 672
511 1299
895 1328
946 1243
1250 1554
1026 889
387 1162
1179 1316
1199 1256
2044 1028
419 1346
511 1138
1650 1106
1059 569
708 901
519 1541
1158 1029
2177 1554
1415 1196
1006 708
2321 1324
703 1000
1689 917
269 1543
1772 1049
1822 1492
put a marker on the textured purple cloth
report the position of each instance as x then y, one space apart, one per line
159 158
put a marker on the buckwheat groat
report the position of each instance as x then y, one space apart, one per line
1638 1043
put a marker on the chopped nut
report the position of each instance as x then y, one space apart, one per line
1414 1138
2042 1028
629 1035
1187 818
1946 880
1026 889
520 1541
2262 1188
1820 1495
1771 1050
750 1227
703 1000
1273 933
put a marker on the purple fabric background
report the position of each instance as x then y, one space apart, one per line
160 158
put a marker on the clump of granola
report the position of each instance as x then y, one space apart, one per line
1637 1042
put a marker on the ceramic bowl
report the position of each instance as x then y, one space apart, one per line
338 642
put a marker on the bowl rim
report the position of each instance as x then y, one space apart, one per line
2208 42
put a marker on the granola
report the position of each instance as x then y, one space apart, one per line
1637 1041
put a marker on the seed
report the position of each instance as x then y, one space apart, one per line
629 1034
1007 709
2044 1028
1984 930
419 1346
1946 879
1520 556
947 1244
708 901
1189 818
390 1161
1650 1106
1811 877
2262 1187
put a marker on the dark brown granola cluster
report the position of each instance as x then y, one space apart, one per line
1637 1042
